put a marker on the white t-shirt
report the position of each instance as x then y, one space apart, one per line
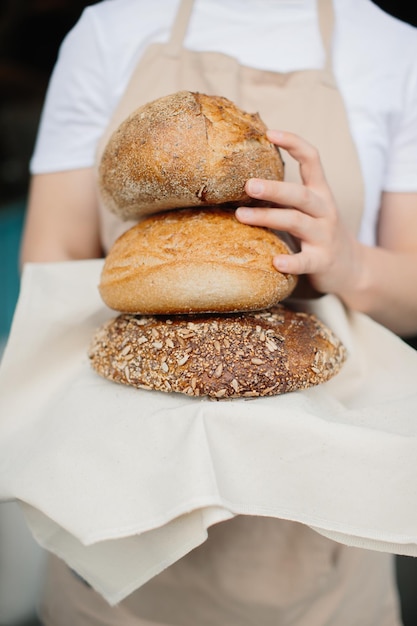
374 59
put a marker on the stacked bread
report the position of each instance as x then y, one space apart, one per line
199 302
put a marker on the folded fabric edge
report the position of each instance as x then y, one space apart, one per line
359 536
117 567
367 543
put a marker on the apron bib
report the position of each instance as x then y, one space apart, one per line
306 102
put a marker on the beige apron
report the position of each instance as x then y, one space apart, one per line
250 571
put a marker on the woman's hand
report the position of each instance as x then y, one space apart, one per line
329 253
377 280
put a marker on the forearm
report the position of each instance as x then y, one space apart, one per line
62 218
385 288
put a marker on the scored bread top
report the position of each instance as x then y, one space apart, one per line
184 149
194 261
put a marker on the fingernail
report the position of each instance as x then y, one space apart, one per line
255 187
244 212
280 263
275 135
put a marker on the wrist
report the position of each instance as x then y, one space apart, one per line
355 288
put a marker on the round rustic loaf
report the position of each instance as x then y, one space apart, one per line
226 356
194 261
184 149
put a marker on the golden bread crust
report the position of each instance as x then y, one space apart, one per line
194 261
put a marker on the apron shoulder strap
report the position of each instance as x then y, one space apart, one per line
179 28
326 21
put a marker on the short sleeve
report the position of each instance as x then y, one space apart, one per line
401 173
76 110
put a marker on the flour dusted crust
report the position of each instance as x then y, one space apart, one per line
229 356
184 149
194 261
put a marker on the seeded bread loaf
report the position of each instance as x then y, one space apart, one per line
185 149
228 356
194 261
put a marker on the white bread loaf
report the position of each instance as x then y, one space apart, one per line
185 149
194 261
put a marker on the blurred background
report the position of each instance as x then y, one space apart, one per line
30 34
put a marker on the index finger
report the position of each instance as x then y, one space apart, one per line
307 155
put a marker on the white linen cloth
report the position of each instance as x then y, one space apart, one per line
121 482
